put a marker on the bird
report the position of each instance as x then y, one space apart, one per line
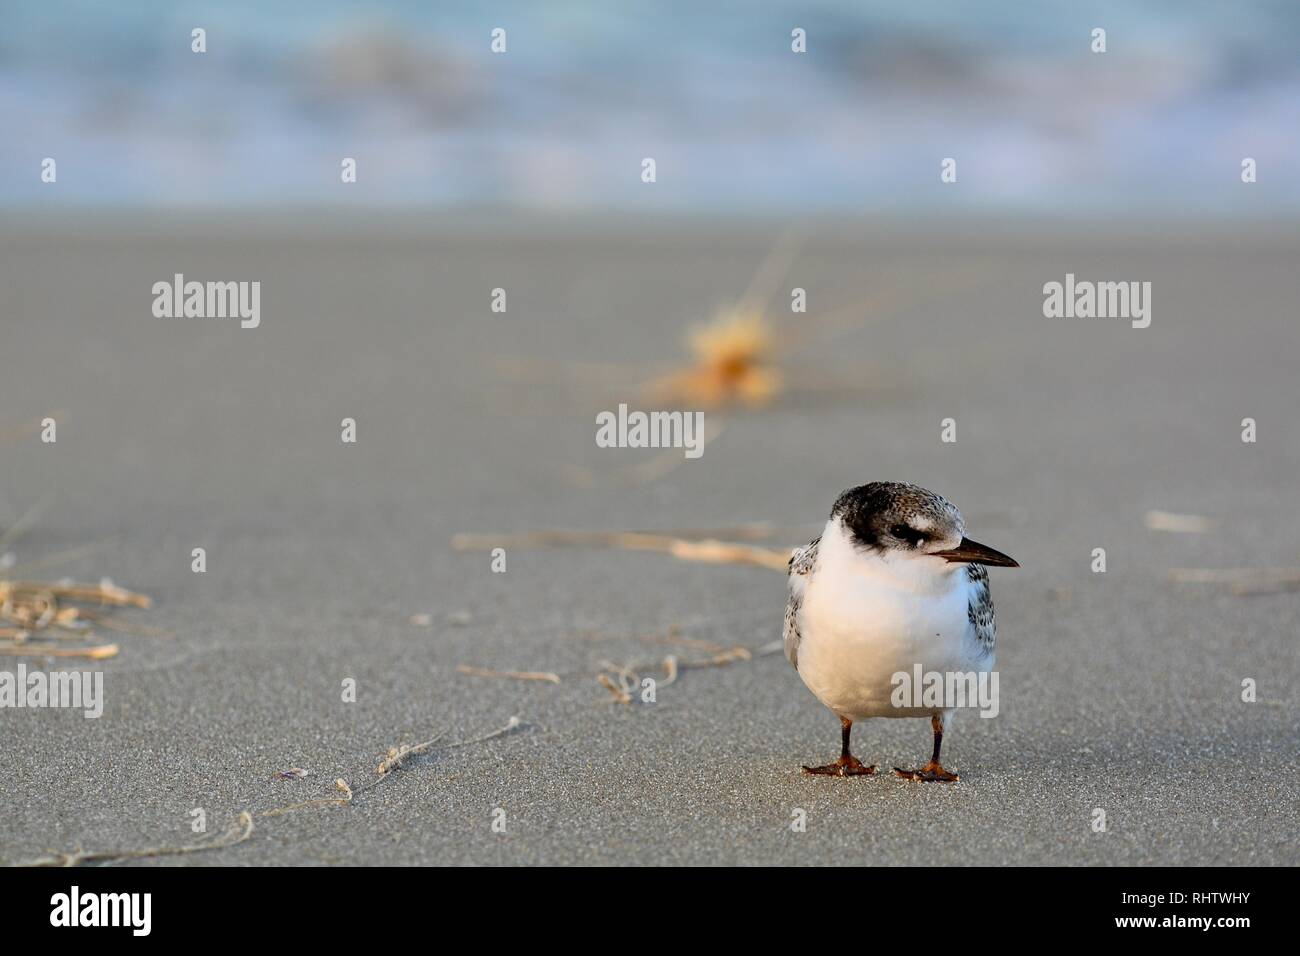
891 582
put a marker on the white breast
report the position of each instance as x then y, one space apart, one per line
867 617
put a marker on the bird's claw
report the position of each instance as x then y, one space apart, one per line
844 767
931 773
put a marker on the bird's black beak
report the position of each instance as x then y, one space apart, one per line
972 552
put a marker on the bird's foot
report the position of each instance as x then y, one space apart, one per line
930 772
844 767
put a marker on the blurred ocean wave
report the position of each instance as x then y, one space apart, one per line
712 91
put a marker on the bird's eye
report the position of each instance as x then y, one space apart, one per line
907 533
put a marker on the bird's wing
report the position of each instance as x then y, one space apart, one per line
980 609
802 561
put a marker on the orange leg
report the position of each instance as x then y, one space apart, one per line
933 771
848 765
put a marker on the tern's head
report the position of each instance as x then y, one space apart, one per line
894 516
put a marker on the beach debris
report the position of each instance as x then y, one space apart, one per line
421 620
727 552
733 361
240 830
513 724
339 785
619 693
21 648
1177 523
394 758
621 680
34 615
293 773
547 676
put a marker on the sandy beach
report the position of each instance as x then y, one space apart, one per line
1121 691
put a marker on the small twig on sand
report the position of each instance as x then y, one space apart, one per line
322 802
627 680
511 724
105 592
397 755
620 695
239 831
724 552
721 659
24 649
546 676
674 637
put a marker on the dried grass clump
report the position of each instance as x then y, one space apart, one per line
36 616
734 362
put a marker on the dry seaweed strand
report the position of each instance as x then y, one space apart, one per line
619 695
23 649
239 831
546 676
